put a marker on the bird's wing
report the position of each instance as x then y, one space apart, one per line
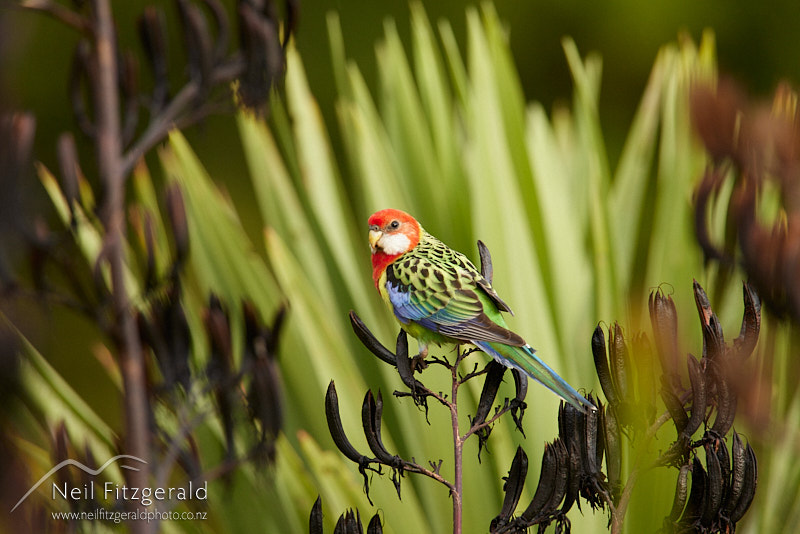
445 298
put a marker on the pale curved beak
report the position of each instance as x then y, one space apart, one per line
374 237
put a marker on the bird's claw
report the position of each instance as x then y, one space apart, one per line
418 363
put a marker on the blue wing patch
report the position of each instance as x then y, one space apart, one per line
453 319
406 308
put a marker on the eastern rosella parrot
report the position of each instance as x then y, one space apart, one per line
438 296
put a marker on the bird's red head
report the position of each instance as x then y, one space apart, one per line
392 233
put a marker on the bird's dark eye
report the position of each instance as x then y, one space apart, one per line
394 225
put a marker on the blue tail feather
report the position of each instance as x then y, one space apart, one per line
525 360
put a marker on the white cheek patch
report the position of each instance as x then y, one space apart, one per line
394 244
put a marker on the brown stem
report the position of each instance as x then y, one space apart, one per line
458 448
109 159
168 117
411 467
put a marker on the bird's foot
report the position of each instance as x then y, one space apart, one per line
418 362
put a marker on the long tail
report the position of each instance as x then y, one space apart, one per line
524 359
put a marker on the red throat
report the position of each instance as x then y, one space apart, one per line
380 262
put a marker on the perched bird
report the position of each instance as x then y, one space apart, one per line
438 296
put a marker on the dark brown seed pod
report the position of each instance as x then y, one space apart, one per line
218 329
419 392
716 113
575 474
675 408
179 340
520 385
589 428
486 261
702 302
494 376
600 441
726 401
715 487
199 49
253 330
515 481
403 362
370 341
713 339
567 422
681 493
342 526
738 472
153 35
220 17
375 526
166 332
546 486
620 363
561 479
697 496
720 449
613 448
601 366
335 426
262 54
664 321
749 486
518 404
349 523
699 396
315 519
371 413
176 210
751 323
264 392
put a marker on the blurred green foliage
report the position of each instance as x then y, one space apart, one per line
755 43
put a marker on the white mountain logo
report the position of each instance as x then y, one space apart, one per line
84 468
